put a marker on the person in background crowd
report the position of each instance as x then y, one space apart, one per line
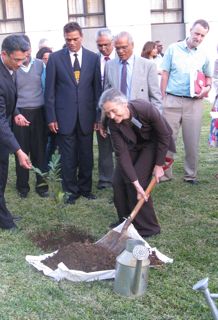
149 50
43 54
159 48
30 103
44 43
104 41
13 53
180 61
51 145
72 91
141 138
213 136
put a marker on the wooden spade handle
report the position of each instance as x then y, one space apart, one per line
140 203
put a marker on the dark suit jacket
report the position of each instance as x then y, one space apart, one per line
7 110
66 101
127 136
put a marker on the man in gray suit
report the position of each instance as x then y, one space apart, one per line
142 79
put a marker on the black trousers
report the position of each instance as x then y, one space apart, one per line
105 160
76 152
125 197
6 220
32 140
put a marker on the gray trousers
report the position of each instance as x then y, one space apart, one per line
185 113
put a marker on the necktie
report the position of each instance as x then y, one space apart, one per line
106 58
76 68
13 75
123 81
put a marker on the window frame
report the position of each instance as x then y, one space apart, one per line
166 10
85 14
8 20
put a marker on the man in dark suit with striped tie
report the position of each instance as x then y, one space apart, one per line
72 90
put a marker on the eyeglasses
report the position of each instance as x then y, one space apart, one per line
124 48
103 45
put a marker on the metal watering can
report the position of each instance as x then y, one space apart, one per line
132 267
202 286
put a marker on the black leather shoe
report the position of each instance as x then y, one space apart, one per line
101 187
193 182
88 195
23 194
43 194
70 200
12 228
104 186
17 218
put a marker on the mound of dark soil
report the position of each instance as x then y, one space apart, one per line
86 257
76 249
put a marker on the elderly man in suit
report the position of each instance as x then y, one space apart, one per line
13 54
141 74
72 90
105 44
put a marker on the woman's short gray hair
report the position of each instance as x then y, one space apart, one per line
111 95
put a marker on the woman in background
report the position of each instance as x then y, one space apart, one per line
150 51
43 54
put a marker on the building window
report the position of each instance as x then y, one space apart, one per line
166 11
88 13
11 16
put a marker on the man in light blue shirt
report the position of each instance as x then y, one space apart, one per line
181 108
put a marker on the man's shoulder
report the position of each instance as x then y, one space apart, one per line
58 53
113 62
90 53
38 63
4 74
144 61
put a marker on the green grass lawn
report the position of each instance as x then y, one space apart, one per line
189 219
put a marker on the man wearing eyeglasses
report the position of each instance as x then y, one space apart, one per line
141 74
13 54
104 41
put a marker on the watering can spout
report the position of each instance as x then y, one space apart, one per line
140 253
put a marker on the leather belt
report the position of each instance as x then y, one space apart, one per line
180 96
